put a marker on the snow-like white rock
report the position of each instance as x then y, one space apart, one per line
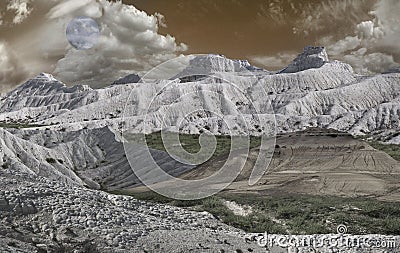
94 158
311 92
213 63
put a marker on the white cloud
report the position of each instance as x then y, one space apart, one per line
161 19
129 42
323 16
366 63
9 67
21 9
374 45
368 30
387 17
344 45
82 7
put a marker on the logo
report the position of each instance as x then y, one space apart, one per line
341 229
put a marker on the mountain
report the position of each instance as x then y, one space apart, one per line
60 145
92 158
213 63
311 92
311 57
132 78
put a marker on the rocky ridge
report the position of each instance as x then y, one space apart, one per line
311 92
92 158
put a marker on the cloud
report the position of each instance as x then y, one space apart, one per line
319 17
387 18
275 62
342 46
20 8
373 47
9 67
161 19
129 42
367 30
89 8
370 25
366 63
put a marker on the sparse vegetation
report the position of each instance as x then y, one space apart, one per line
305 214
191 142
300 214
18 125
391 149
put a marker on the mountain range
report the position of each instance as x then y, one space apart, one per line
311 92
73 134
62 149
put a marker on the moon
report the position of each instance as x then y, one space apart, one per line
83 33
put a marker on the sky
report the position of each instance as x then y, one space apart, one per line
137 35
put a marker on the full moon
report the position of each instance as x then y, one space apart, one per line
83 33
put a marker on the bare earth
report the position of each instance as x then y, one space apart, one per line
317 162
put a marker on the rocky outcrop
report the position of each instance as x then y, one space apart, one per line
40 215
93 158
311 57
132 78
213 63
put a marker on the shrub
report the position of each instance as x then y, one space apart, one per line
392 225
288 211
50 160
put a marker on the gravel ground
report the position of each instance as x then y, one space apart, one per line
39 215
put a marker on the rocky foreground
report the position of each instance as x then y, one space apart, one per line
38 215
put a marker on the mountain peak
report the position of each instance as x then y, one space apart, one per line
41 80
132 78
316 51
311 57
45 76
44 84
214 63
